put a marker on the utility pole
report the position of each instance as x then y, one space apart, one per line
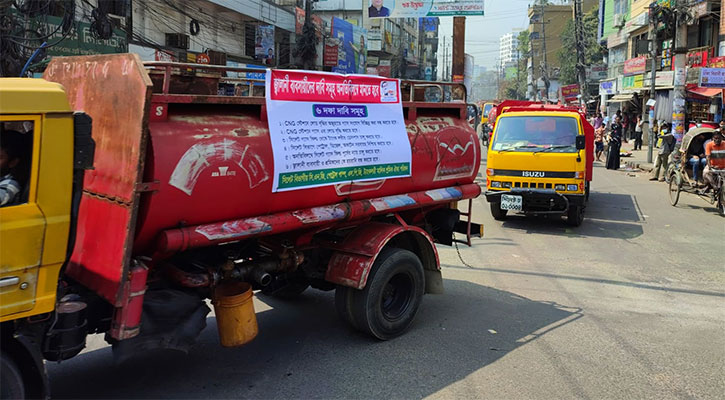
652 35
545 68
445 59
580 65
680 50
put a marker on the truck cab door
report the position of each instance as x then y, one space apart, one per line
22 223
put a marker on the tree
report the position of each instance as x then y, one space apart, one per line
593 51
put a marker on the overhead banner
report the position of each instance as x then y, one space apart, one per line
423 8
330 128
712 78
570 92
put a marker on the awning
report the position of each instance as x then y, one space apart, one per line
621 98
705 92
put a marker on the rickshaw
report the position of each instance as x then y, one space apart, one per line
680 171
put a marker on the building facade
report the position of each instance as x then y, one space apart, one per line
508 45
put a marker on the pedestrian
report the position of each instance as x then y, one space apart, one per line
663 155
598 121
625 127
638 133
615 143
599 142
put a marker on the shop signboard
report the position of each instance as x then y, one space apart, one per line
81 40
596 72
635 65
716 62
329 53
698 58
570 92
422 8
640 21
633 82
664 78
608 87
712 78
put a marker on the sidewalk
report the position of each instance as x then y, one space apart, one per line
638 160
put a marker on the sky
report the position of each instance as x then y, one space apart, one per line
483 33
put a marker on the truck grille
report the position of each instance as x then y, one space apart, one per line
534 185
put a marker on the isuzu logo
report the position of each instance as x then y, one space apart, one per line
533 174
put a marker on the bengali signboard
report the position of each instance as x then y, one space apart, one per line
712 78
596 72
635 65
423 8
330 128
633 82
81 40
570 92
608 87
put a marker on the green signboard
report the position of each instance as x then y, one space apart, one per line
82 41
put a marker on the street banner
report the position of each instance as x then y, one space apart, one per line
264 43
328 128
712 78
423 8
300 22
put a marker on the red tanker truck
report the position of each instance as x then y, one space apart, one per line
196 193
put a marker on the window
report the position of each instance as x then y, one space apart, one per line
621 6
16 153
639 45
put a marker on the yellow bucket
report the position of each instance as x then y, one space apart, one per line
235 317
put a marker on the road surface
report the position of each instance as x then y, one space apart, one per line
629 305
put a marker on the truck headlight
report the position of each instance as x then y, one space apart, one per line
495 184
560 186
572 188
507 185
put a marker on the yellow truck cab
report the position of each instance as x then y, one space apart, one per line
485 110
39 193
539 161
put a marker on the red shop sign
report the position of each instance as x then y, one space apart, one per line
635 65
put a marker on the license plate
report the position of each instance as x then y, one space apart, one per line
511 202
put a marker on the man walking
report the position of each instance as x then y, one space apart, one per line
663 155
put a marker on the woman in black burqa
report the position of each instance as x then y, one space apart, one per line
615 143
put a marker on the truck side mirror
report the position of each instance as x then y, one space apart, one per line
581 142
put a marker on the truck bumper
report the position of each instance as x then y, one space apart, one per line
540 201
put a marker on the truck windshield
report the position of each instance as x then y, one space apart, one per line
487 109
535 133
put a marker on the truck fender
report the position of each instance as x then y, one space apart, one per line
25 352
352 260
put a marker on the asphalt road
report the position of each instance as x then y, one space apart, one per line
629 305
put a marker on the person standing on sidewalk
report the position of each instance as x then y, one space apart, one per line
663 155
638 133
615 143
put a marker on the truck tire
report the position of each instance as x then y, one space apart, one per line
11 379
575 215
387 305
343 301
497 212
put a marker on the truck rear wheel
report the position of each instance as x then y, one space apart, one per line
497 212
11 379
387 305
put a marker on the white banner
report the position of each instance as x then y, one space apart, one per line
423 8
330 128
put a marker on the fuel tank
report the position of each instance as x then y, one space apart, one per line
212 162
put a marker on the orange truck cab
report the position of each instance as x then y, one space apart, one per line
539 161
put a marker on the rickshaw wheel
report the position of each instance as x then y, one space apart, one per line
675 187
721 201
